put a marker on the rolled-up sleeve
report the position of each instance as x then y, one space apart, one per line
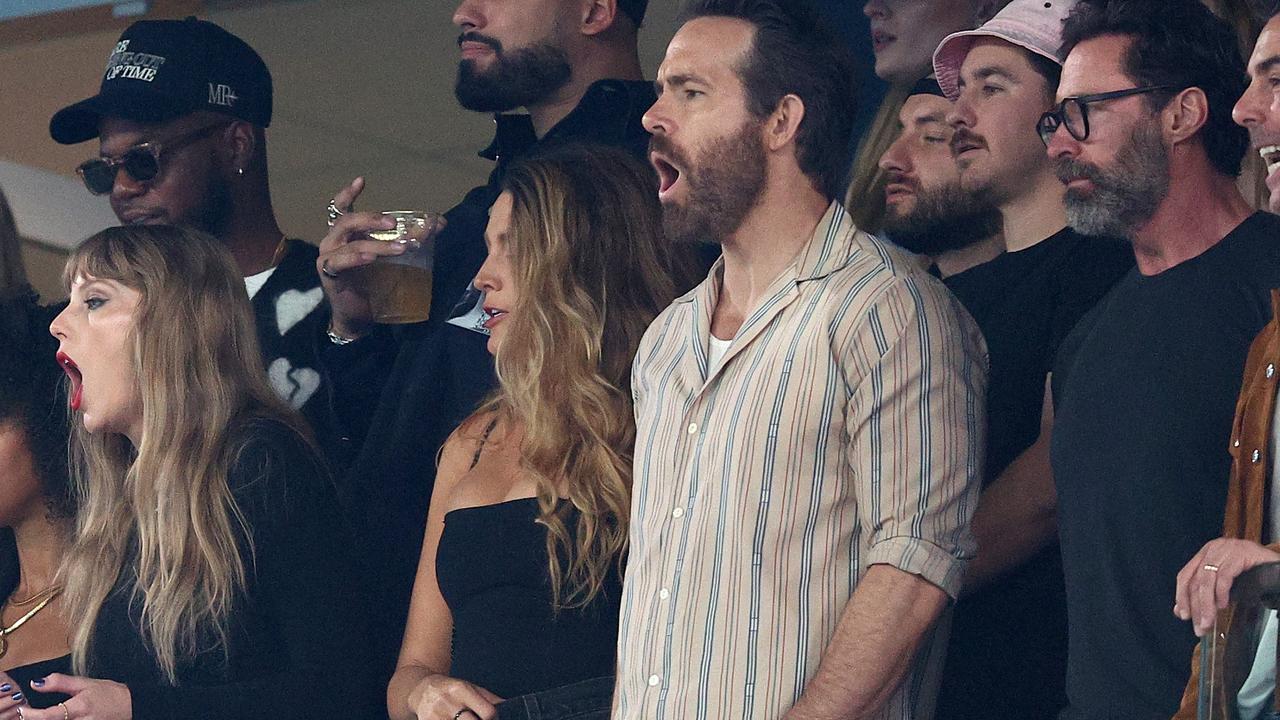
916 420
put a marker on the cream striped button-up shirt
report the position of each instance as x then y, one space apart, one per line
842 429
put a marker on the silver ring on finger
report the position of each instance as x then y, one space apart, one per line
324 268
1211 567
459 714
20 715
66 714
334 212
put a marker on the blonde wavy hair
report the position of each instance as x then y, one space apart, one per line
593 270
165 507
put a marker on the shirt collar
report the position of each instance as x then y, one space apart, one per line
829 248
607 112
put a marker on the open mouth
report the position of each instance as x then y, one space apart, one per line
668 174
1271 156
881 40
496 315
77 380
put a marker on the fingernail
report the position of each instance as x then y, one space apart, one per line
38 683
6 687
17 696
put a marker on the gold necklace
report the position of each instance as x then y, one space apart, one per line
278 255
34 597
6 631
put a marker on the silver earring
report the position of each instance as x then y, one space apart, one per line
240 171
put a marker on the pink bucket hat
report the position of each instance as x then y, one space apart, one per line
1035 25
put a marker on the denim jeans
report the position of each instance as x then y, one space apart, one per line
587 700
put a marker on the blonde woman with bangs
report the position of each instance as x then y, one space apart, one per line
519 581
208 575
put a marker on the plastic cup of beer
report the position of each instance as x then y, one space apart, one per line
399 286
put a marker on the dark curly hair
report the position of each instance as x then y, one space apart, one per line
1182 44
32 395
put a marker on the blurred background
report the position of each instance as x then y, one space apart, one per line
362 87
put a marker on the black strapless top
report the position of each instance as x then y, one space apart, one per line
24 674
492 570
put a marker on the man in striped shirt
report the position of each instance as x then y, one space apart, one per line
809 418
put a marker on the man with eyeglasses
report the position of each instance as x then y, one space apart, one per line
1146 385
1007 654
180 118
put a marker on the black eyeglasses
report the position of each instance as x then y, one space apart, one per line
1073 112
141 162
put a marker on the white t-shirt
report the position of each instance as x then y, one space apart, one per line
254 283
717 350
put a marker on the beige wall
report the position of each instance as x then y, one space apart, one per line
361 88
44 269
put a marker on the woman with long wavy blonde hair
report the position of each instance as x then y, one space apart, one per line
209 574
519 582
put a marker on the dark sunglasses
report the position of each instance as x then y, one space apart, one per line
1073 112
141 162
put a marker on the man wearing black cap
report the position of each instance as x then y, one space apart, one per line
180 121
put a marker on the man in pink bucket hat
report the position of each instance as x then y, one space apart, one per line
1008 651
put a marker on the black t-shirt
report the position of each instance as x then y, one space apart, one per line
297 645
1013 634
1145 389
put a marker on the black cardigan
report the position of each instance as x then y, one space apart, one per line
296 646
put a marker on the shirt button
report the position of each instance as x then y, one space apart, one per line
664 593
693 428
653 680
679 512
1271 370
1257 455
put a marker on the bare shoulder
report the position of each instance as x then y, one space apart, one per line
462 448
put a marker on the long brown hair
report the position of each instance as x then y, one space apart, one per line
593 270
199 374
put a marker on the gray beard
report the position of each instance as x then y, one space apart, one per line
1126 195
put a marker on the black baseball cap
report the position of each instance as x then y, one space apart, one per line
163 69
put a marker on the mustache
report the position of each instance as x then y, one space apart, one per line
660 144
894 177
1067 170
963 136
475 37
